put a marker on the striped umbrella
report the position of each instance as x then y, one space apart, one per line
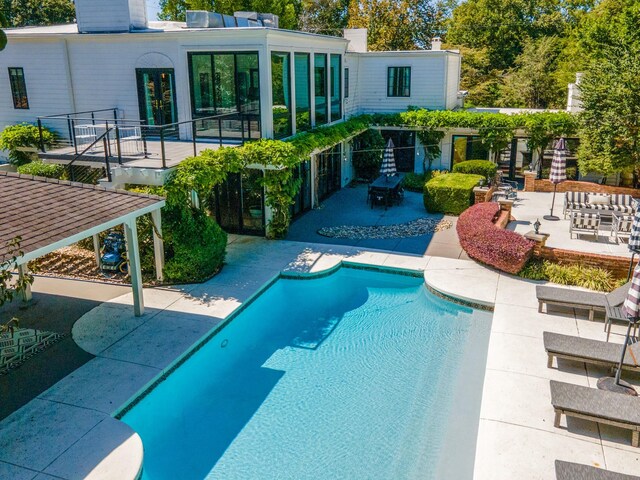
634 238
558 171
631 306
388 166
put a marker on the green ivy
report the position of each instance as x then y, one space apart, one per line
15 138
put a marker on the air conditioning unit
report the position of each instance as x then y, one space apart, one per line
247 15
197 19
215 20
269 19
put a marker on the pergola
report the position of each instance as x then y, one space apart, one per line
48 214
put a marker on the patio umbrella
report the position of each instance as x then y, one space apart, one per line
634 239
558 172
631 309
388 166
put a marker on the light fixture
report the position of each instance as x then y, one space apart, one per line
536 226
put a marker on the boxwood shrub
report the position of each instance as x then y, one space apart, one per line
450 193
485 168
483 241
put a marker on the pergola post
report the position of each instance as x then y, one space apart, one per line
96 249
23 269
131 236
158 243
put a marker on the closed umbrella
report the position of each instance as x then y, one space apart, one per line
388 166
558 171
634 239
631 309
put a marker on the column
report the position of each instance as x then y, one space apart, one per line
158 244
131 236
96 249
23 270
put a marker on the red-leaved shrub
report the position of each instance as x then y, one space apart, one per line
483 241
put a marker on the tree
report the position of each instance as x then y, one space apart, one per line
21 13
327 17
398 24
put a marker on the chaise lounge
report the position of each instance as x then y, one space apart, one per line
599 406
577 471
591 301
585 350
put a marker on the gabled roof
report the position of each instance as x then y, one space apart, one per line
48 214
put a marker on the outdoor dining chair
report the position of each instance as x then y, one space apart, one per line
621 226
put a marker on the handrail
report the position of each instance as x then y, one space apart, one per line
102 137
64 115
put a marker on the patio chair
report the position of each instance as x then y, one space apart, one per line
584 223
599 406
585 350
577 471
574 201
621 226
616 313
508 187
591 301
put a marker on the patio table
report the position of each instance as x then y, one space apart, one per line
385 188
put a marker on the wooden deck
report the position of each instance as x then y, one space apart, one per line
133 156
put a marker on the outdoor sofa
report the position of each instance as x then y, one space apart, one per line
585 350
577 471
601 406
598 203
591 301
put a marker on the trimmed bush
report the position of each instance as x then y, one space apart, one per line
451 193
485 168
483 241
41 169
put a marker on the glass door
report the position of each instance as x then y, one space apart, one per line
157 96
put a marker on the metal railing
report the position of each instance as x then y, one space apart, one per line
131 138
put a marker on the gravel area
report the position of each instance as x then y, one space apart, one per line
415 228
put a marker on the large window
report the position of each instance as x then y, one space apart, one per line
336 88
226 84
281 94
320 77
18 88
399 82
303 91
468 147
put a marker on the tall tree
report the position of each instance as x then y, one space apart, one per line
21 13
326 17
398 24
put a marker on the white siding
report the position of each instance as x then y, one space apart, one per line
351 103
452 81
427 81
45 71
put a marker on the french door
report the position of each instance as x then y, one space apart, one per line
157 96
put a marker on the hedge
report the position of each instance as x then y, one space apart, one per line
485 168
450 193
486 243
40 169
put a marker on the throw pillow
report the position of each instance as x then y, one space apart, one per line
599 199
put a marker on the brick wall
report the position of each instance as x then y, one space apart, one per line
619 266
544 185
482 194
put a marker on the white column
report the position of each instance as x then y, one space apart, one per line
158 244
22 272
96 249
131 236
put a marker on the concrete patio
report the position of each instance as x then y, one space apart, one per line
516 437
532 206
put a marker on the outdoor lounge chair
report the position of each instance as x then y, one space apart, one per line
590 351
577 471
621 225
582 222
591 301
599 406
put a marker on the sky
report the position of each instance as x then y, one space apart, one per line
153 9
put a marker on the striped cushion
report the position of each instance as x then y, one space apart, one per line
575 206
585 221
624 200
576 197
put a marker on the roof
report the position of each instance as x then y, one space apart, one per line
48 214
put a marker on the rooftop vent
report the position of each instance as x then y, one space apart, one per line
436 44
203 19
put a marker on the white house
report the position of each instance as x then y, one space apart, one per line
140 96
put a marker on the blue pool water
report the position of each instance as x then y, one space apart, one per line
358 375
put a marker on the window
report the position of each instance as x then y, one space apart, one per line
468 147
320 76
399 82
303 91
18 88
336 87
281 94
346 83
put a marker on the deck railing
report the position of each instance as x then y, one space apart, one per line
130 138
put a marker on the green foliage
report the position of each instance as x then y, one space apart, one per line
41 169
194 243
451 193
11 287
430 141
23 13
414 182
3 40
477 167
593 278
323 16
15 138
368 148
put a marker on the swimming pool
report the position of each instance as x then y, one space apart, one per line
358 374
